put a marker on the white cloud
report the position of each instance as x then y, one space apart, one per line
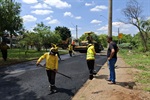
48 18
29 18
104 28
30 1
117 24
39 5
42 12
124 30
58 3
71 15
120 24
68 14
148 18
72 29
78 17
89 4
95 21
51 21
31 28
98 8
54 21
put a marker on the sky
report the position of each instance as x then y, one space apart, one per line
87 15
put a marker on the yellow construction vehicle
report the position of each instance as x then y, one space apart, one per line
82 46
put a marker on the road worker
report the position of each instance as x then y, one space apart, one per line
3 48
70 48
90 58
89 38
51 67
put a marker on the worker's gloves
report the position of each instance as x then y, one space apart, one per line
37 64
55 70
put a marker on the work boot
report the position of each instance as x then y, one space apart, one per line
91 77
94 72
53 89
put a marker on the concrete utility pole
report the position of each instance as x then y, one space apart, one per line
118 36
110 19
76 32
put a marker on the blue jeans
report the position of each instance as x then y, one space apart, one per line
111 65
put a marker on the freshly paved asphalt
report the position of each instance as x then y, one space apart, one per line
25 81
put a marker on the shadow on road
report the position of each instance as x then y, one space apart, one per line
10 89
63 90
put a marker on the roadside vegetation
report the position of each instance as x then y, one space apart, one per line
20 55
140 61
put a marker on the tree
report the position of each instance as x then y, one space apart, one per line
50 38
10 20
28 40
64 32
44 36
103 39
133 13
126 38
146 30
41 31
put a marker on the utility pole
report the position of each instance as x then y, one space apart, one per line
76 32
118 37
110 19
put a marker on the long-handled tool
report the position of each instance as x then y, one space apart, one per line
57 72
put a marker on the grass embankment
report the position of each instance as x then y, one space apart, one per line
20 55
140 61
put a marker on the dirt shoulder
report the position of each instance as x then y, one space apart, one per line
124 89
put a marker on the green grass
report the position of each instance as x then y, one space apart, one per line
21 55
140 61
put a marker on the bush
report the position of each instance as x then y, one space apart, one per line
125 46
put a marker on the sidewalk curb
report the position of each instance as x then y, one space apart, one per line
85 86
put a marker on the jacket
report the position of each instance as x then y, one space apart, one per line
90 53
51 61
70 47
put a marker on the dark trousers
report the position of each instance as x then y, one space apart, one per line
51 76
70 53
90 64
4 54
111 65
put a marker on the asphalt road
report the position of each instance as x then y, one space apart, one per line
25 81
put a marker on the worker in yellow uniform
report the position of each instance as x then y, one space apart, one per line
51 67
70 48
90 58
55 47
3 49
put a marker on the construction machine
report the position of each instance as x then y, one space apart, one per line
82 46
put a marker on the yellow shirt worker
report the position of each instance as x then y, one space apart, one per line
51 67
90 58
70 48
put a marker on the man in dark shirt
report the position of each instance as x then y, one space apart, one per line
112 58
89 38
